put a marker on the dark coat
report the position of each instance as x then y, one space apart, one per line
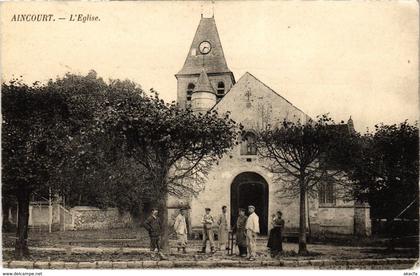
153 226
275 238
240 231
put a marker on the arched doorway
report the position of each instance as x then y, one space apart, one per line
249 188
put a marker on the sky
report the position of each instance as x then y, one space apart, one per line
350 58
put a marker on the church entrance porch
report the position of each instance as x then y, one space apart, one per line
250 188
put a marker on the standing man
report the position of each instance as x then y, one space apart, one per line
153 226
180 227
208 234
223 230
252 229
240 232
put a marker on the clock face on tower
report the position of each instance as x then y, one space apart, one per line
205 47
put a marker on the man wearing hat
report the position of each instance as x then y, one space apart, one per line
252 229
180 227
208 234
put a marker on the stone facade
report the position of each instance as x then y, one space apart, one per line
240 178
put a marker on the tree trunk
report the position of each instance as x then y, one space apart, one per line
302 219
21 246
163 216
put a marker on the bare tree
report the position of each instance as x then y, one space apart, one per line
298 154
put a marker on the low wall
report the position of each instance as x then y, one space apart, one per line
336 220
39 217
88 218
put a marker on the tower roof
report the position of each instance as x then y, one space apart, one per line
214 61
350 124
203 83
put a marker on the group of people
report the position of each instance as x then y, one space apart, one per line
153 227
245 229
208 234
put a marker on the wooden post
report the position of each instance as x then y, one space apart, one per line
9 217
231 242
50 212
72 220
40 211
64 220
30 223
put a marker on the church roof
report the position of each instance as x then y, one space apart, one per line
248 77
343 127
203 83
250 102
214 61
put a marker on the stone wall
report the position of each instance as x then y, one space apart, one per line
336 219
362 222
38 215
340 264
86 217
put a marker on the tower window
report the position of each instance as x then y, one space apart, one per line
220 89
248 146
190 90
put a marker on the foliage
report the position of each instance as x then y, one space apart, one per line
53 138
175 146
385 170
93 171
33 140
105 144
308 151
31 135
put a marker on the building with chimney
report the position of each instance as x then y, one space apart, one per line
240 178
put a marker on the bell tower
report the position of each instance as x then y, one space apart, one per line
205 55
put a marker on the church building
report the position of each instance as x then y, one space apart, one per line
240 179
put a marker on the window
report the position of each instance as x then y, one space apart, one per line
190 90
248 146
220 90
326 193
